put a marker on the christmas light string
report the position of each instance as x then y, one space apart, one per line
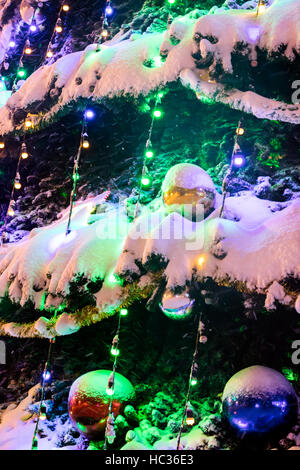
27 50
88 114
84 144
146 180
104 34
16 186
58 29
46 376
28 123
188 417
110 390
237 160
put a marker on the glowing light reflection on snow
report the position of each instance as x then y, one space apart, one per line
253 33
61 239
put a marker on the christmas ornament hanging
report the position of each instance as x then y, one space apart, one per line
176 306
259 400
88 402
188 190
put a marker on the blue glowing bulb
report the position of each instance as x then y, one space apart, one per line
12 44
47 375
238 160
109 10
89 114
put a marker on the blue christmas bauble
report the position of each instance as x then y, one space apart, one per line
259 400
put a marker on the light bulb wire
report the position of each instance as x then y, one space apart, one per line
229 171
75 174
53 33
104 24
115 363
45 370
11 199
145 168
20 64
187 399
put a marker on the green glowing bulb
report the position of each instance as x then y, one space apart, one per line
146 181
124 312
114 351
21 73
160 95
157 113
171 1
194 382
149 154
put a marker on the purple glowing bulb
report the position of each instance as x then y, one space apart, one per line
109 10
46 375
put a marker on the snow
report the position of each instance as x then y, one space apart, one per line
189 176
276 292
26 11
66 325
135 445
297 304
193 440
119 67
246 101
18 423
257 379
47 260
16 433
256 243
93 384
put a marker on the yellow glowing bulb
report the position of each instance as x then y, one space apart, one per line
104 33
24 155
28 50
240 131
49 54
261 8
58 29
18 185
28 123
66 7
85 144
10 212
190 421
2 145
201 261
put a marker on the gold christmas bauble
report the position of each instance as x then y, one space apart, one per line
188 190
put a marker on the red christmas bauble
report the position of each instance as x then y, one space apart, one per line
88 402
